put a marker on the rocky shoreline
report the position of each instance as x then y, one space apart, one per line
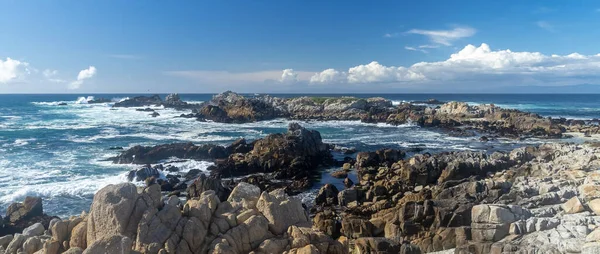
534 199
458 118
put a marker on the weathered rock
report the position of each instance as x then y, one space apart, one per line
34 230
117 244
31 207
595 206
328 195
573 206
244 192
281 211
114 212
79 236
32 245
376 245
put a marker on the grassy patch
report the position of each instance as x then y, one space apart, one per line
321 100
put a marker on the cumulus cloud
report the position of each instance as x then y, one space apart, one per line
82 76
445 37
289 76
472 63
11 69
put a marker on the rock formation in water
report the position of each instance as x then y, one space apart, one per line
230 107
171 101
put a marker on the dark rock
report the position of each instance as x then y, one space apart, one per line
22 215
328 195
142 174
348 182
239 146
192 173
31 207
204 183
484 139
155 114
171 168
144 109
293 155
147 155
99 100
140 101
62 104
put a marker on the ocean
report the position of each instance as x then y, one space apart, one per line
58 152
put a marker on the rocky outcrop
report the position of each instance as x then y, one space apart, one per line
171 101
126 219
528 200
140 101
294 155
230 107
150 155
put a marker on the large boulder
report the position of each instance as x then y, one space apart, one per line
114 212
34 230
244 193
31 207
281 211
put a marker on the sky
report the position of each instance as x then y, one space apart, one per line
293 46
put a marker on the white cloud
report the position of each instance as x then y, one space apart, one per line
416 49
82 76
546 26
289 76
445 37
328 76
11 69
390 35
480 64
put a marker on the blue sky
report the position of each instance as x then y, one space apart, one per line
296 46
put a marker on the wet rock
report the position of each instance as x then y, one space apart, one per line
31 207
150 155
142 174
140 101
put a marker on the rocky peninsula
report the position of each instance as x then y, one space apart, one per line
458 118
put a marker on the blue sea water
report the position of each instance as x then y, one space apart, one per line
57 152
